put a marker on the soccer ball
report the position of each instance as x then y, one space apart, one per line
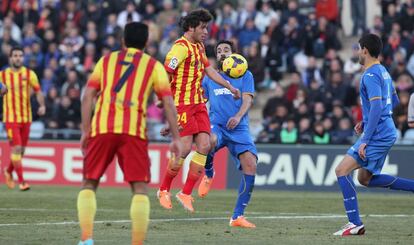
235 66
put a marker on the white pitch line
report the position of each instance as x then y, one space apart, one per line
216 218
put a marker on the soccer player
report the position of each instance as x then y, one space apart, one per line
186 64
124 80
17 112
378 97
230 128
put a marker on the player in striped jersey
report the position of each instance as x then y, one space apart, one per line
17 112
124 80
187 64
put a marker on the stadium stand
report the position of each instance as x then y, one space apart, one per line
293 48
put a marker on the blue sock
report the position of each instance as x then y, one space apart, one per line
208 168
388 181
350 199
245 192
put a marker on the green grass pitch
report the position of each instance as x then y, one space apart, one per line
47 215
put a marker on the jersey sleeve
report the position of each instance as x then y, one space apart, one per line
373 86
34 81
95 78
248 84
175 57
161 81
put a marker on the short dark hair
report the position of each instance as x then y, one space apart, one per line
15 48
135 35
372 43
230 43
194 18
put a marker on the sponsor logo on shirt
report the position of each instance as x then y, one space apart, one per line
221 91
173 63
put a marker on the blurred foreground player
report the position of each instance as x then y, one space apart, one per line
118 127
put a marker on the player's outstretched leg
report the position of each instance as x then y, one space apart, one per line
86 214
354 226
207 181
391 182
163 194
248 163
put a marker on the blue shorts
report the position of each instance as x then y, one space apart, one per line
376 152
237 141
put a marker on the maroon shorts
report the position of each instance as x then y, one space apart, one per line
193 119
132 153
18 133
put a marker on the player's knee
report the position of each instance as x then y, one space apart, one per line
339 171
185 151
249 169
204 147
363 180
17 150
248 164
213 141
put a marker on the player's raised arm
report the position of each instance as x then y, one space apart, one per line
213 74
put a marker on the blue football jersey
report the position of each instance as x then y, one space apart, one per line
376 83
222 104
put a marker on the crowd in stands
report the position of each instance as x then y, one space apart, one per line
294 41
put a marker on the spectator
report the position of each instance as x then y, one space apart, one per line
319 112
248 12
264 17
14 29
167 14
289 132
312 72
358 13
320 136
48 81
71 82
248 34
327 9
344 134
256 64
52 102
128 15
227 15
305 132
70 13
352 66
278 98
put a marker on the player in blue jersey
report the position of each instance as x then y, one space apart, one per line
378 98
230 128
